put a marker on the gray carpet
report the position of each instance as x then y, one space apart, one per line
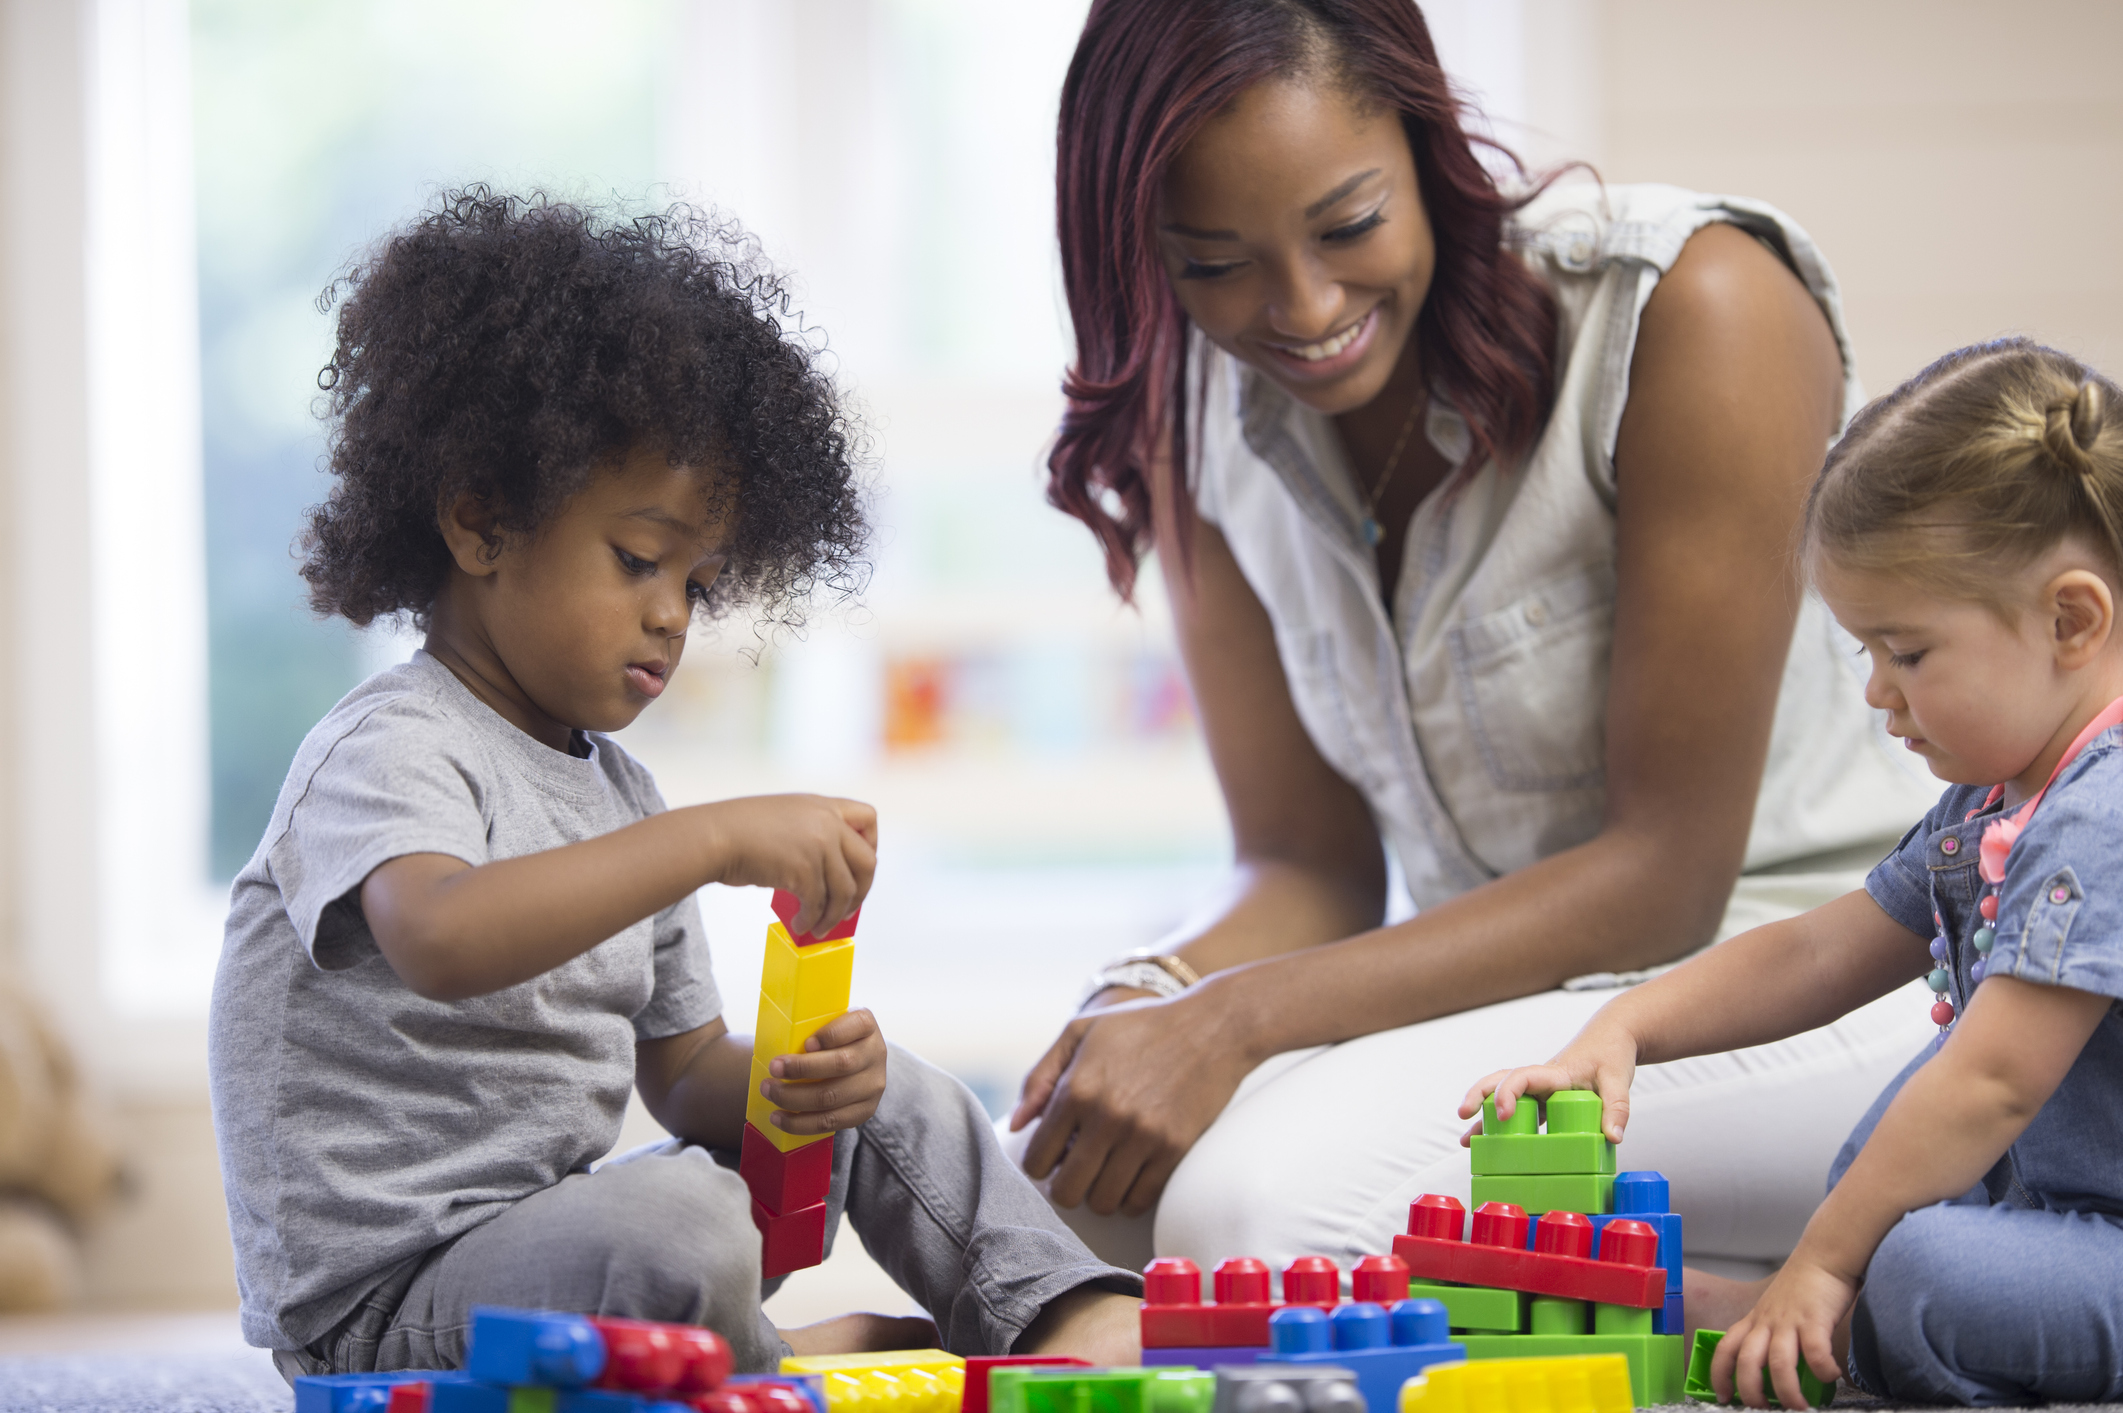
134 1383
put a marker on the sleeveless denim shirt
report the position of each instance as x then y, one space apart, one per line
1472 718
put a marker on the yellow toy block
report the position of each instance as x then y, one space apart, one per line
757 1110
807 981
775 1034
901 1381
1583 1383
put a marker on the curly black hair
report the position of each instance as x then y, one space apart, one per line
508 347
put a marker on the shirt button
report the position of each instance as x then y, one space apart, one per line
2060 894
1536 615
1949 845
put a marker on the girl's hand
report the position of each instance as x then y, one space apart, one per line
1123 1094
1602 1059
821 849
1796 1316
835 1083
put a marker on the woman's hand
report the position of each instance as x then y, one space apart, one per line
1603 1059
1796 1316
1123 1094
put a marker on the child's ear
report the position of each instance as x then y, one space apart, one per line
468 528
2084 613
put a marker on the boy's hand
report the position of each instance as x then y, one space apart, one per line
1797 1316
821 849
1603 1061
835 1083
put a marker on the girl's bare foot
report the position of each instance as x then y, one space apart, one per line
1088 1323
1715 1302
861 1332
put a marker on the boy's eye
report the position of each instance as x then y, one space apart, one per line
634 563
696 591
1350 232
1905 659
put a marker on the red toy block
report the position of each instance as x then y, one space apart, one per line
1438 1216
1500 1224
1567 1234
1630 1242
410 1398
791 1241
975 1397
784 1182
1172 1280
1502 1262
1206 1326
1243 1280
1380 1280
786 906
1312 1280
644 1356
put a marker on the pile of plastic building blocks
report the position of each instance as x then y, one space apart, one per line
803 984
536 1361
1597 1273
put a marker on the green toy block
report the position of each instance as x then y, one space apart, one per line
1819 1394
1590 1193
1525 1118
1553 1315
1477 1307
1540 1154
1621 1319
1062 1390
1657 1363
540 1400
1572 1111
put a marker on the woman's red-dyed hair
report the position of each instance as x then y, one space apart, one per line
1147 75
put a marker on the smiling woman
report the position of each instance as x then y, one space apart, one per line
1475 506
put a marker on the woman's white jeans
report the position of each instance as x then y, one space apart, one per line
1321 1150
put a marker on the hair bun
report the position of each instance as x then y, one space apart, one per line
2069 431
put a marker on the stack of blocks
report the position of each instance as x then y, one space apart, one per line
536 1361
1382 1337
1584 1279
803 984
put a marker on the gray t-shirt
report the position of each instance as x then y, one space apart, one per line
359 1124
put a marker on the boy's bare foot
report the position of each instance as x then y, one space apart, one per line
861 1332
1088 1323
1716 1302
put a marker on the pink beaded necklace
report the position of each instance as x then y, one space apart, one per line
1996 847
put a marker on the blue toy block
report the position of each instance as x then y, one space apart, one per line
533 1347
1669 1319
1383 1348
1207 1357
470 1396
360 1393
813 1386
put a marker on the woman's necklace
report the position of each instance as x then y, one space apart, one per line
1991 855
1372 533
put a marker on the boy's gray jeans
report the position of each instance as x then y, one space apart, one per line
665 1233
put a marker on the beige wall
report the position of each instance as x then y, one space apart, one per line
1957 160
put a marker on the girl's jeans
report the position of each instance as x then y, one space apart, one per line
1989 1298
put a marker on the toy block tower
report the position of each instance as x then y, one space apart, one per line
803 984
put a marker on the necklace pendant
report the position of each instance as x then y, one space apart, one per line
1371 532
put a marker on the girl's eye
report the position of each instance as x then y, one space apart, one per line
696 591
1356 228
1196 270
634 563
1904 659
